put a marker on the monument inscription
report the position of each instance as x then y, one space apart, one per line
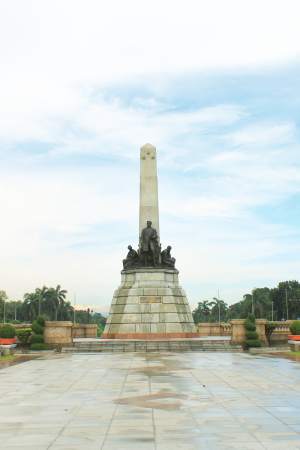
149 299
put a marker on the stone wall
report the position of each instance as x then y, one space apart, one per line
85 331
61 334
214 329
278 338
58 335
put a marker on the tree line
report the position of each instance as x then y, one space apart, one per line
284 300
51 303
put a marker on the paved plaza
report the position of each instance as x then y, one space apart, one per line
156 401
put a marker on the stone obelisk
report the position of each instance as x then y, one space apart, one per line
149 303
148 188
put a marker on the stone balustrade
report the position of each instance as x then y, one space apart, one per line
214 329
61 334
283 327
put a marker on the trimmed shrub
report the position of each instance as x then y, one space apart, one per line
249 325
294 327
251 335
24 334
7 331
41 321
37 339
253 343
37 328
15 322
38 347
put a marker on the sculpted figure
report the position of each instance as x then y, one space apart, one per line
166 258
149 245
131 260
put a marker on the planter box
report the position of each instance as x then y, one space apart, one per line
7 341
295 337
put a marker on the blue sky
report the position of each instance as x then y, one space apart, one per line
215 89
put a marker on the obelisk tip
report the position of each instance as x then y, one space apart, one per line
148 146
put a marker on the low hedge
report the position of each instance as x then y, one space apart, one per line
24 334
295 328
38 347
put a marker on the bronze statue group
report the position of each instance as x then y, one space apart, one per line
149 253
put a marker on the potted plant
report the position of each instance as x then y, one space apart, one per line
7 334
295 330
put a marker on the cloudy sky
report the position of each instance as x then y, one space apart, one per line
214 85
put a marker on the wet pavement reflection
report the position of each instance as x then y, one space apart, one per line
285 355
13 362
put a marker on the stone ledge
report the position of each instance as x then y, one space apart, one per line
149 335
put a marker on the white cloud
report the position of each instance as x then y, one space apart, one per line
70 224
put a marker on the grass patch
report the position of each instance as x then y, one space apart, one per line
5 358
293 353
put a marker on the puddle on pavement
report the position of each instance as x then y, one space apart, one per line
15 361
295 358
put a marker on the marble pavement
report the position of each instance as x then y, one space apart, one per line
156 401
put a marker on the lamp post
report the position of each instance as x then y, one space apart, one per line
272 311
287 311
4 311
252 300
219 308
74 308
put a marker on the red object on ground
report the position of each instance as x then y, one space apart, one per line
7 341
295 337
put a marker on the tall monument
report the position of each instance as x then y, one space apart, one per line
149 303
148 188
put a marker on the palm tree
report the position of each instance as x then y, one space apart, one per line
67 311
261 302
58 296
219 305
31 304
204 306
44 296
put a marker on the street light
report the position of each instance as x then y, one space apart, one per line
219 308
252 300
287 311
4 311
272 311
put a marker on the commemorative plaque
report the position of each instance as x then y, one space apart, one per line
149 299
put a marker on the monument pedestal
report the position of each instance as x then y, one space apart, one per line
149 304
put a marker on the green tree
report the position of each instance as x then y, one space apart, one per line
45 297
58 296
204 307
278 297
66 310
218 305
31 303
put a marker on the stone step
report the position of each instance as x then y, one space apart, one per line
152 346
